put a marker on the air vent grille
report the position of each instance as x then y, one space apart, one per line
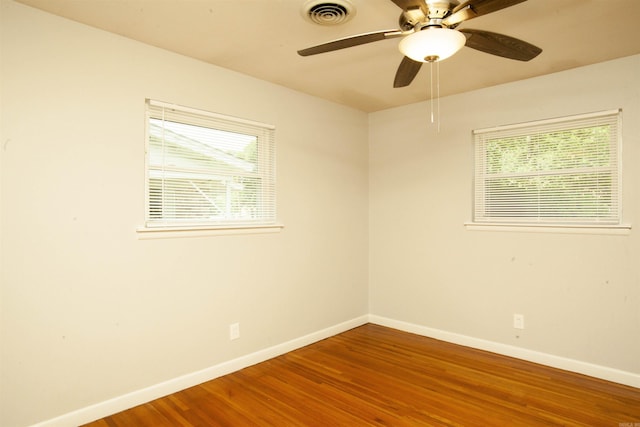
328 12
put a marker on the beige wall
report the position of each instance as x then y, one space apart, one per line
579 293
89 312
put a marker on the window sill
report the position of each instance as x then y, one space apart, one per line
145 233
623 229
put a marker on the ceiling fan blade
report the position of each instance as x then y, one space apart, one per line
406 72
500 45
461 15
474 8
351 41
411 4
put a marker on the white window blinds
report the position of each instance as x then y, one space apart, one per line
205 169
559 171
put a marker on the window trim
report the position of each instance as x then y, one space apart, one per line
147 233
149 230
622 229
559 227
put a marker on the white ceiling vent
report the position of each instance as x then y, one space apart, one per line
324 12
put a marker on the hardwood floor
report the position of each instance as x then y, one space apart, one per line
372 376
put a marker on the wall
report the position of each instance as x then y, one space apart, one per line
89 311
579 293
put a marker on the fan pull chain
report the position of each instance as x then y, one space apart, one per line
435 113
438 92
431 88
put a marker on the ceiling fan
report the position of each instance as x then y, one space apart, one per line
428 28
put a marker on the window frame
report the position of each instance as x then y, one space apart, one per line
482 221
265 174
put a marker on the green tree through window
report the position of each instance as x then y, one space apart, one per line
563 172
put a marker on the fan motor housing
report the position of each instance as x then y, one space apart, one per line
323 12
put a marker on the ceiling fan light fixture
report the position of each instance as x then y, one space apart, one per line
432 44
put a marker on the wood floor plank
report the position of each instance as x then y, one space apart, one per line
377 376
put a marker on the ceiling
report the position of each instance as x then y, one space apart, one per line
260 38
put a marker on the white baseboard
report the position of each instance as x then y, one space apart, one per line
597 371
129 400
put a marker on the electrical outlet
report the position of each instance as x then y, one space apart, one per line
234 331
518 321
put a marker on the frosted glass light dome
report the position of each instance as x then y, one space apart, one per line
432 44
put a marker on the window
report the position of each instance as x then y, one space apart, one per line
555 172
207 170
